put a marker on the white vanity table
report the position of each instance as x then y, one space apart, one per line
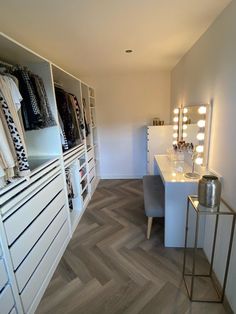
177 189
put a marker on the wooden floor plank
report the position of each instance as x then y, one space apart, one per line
110 268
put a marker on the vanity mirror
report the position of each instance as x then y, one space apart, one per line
191 129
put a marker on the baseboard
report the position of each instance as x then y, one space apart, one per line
139 176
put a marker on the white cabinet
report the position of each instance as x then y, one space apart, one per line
35 221
6 300
159 139
3 274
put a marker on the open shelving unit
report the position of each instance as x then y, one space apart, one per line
48 165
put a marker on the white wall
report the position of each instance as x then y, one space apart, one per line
207 73
126 102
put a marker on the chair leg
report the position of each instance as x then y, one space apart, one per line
149 227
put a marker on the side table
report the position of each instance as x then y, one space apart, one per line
191 276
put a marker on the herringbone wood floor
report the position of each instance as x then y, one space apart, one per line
109 267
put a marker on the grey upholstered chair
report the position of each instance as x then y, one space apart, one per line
154 199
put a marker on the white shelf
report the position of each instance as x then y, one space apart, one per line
85 175
83 165
86 185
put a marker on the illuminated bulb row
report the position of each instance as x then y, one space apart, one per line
201 135
175 127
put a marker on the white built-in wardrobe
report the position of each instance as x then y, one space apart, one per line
36 222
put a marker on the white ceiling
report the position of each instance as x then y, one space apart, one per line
89 36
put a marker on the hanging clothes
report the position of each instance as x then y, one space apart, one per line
23 165
79 116
68 117
48 119
36 111
12 96
62 134
7 159
69 185
87 132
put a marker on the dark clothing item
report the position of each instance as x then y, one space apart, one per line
36 111
68 116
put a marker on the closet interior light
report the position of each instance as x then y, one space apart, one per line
200 136
175 127
201 123
185 127
200 149
176 119
202 110
199 161
185 119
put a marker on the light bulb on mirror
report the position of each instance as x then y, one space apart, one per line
174 142
200 148
200 136
184 134
185 127
201 123
175 135
176 111
185 110
199 161
185 119
176 119
202 110
175 127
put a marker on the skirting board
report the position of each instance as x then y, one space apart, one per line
139 176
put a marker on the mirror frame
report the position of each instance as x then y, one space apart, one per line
178 129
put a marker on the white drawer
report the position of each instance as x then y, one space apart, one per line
27 240
37 280
20 219
6 300
90 154
92 174
23 192
91 164
3 275
31 262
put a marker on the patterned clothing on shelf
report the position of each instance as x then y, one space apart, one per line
68 117
70 191
36 112
78 115
23 165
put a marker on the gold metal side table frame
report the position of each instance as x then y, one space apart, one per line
199 210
